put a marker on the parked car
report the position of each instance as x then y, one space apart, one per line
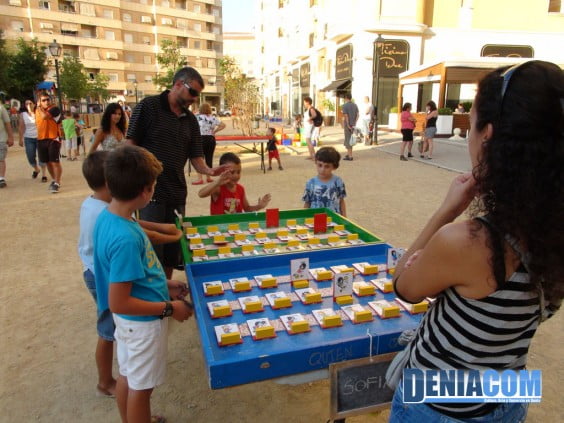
226 113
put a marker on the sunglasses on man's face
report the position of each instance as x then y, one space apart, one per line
193 92
45 99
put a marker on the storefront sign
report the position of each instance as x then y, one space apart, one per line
496 50
393 56
343 62
304 75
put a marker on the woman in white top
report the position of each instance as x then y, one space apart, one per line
28 135
209 125
112 132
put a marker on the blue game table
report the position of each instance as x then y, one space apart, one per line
286 354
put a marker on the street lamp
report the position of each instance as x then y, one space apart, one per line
375 92
289 76
135 86
55 50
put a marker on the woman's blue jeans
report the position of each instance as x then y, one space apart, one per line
31 151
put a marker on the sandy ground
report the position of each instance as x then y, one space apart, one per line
47 316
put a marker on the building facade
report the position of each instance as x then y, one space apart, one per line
121 38
325 48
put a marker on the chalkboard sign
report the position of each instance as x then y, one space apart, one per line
359 386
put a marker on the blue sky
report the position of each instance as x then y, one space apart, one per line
238 15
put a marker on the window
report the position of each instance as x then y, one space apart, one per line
197 44
148 78
166 21
91 54
46 25
198 27
146 19
108 14
131 77
113 77
216 30
147 40
15 3
128 38
17 26
181 4
129 58
143 1
87 9
197 8
182 42
165 3
66 6
211 63
280 32
555 6
209 9
147 60
312 3
44 5
181 23
198 62
126 17
311 39
69 29
209 45
215 12
208 27
111 55
109 35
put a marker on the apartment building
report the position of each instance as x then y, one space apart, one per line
432 49
121 38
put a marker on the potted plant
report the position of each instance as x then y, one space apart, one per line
393 118
444 121
328 107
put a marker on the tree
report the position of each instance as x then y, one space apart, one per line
26 68
241 94
98 88
4 60
170 59
74 82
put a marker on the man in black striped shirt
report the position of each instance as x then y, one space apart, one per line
163 125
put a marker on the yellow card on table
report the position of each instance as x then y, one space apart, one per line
302 231
253 306
362 316
312 297
247 248
242 286
344 299
219 239
333 239
261 235
309 221
314 241
301 326
269 245
332 321
199 253
240 237
224 250
191 231
282 302
282 232
213 228
264 332
194 241
222 311
233 227
254 225
214 289
352 237
302 283
230 338
291 222
339 228
293 243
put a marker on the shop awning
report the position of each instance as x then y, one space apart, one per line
45 85
339 84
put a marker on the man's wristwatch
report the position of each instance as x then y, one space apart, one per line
167 312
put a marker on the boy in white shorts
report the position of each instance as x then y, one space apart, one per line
131 282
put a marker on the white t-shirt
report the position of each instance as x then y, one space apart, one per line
29 123
89 212
207 124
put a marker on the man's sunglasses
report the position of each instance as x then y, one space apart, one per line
45 99
193 92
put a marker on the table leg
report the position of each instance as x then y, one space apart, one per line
263 167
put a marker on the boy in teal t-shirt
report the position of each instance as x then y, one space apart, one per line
69 127
131 282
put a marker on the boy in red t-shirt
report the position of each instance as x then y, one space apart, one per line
227 195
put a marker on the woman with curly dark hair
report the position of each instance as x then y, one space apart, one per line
497 276
111 134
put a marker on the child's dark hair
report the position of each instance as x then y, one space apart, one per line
76 115
68 113
271 130
93 169
129 170
328 155
229 158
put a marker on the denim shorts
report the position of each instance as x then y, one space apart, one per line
105 324
408 413
430 132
